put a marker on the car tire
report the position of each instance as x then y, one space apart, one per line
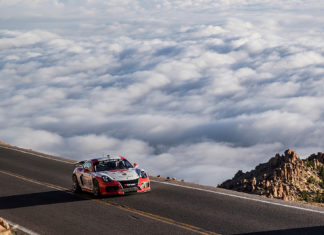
96 189
75 184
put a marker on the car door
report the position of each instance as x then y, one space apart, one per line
86 177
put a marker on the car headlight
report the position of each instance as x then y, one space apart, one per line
106 178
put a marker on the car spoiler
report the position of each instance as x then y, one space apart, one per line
79 163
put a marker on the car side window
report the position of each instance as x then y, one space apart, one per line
88 166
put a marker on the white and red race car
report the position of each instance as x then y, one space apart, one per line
109 176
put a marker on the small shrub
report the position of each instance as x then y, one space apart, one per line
321 172
311 180
305 196
319 197
310 164
321 184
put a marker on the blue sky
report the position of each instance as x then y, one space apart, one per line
191 89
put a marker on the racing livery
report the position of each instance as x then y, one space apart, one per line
109 176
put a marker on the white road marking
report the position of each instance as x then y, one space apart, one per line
242 197
21 228
38 155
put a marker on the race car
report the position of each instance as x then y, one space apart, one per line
109 176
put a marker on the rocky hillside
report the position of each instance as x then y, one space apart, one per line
284 176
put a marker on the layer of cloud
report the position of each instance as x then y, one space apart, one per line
192 89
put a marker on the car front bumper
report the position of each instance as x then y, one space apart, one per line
119 188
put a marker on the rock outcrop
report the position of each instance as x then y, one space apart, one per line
284 176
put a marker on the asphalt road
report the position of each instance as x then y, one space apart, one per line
35 193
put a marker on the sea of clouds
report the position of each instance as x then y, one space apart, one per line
195 89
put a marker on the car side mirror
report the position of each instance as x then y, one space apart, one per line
135 165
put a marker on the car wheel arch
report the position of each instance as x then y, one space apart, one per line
76 186
96 187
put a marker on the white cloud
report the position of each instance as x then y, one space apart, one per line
209 162
300 60
25 39
94 145
192 89
37 139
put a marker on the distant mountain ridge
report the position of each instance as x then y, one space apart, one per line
284 176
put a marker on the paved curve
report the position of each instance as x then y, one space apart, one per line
34 192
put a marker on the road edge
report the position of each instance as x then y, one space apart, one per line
10 228
184 184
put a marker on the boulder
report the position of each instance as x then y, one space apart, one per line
4 227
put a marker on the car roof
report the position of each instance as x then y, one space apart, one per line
108 158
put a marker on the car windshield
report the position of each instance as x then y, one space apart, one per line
112 165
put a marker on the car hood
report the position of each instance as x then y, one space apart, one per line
120 175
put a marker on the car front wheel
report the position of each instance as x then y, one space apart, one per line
75 184
96 190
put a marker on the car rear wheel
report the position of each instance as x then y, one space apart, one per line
96 190
75 184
